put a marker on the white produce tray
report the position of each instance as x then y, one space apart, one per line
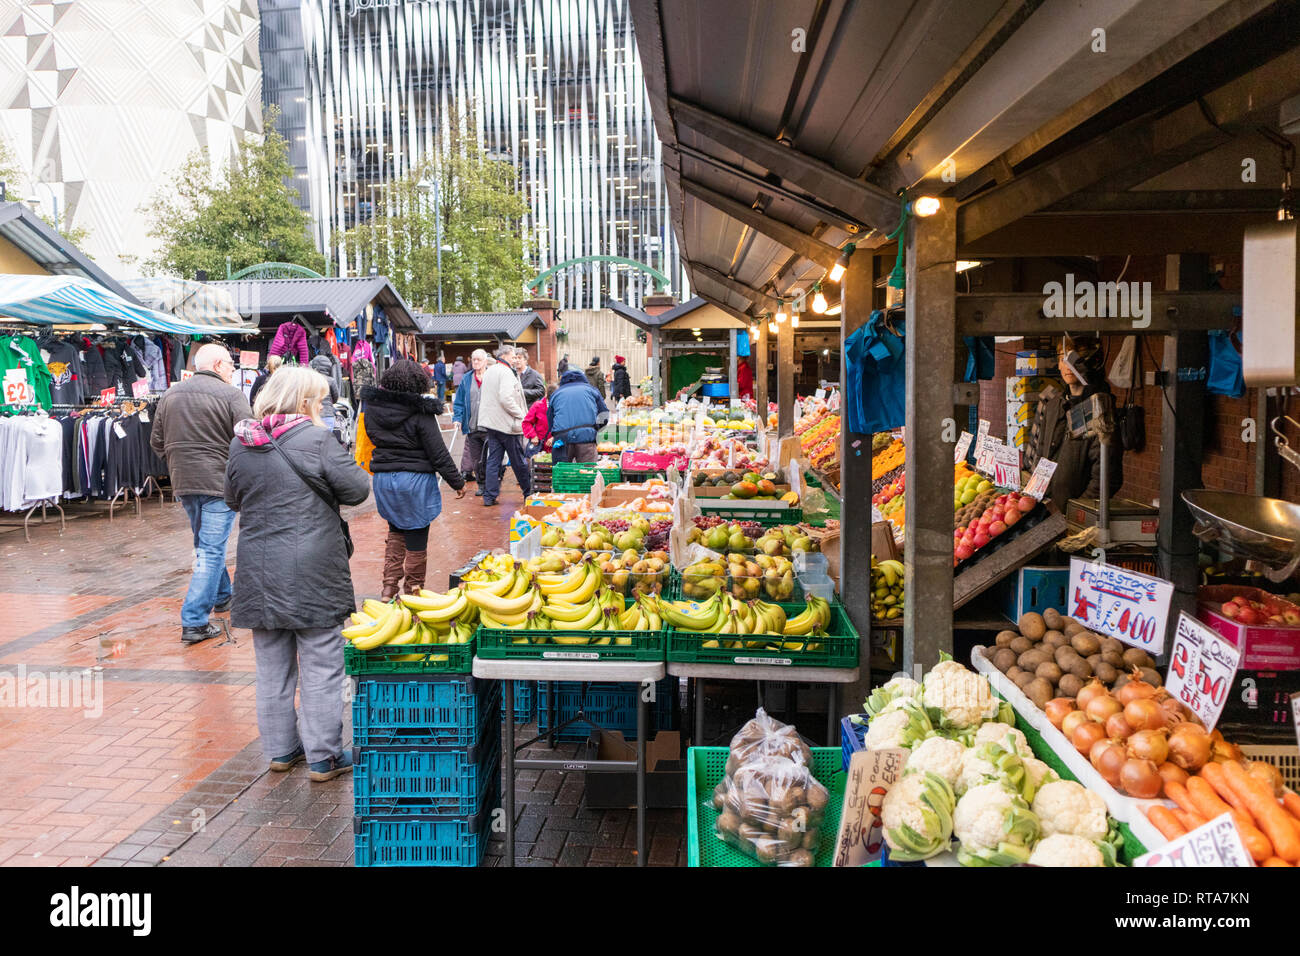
1124 808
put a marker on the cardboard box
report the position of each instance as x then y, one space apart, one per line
882 541
1020 412
1036 362
1262 646
1018 436
1027 388
665 786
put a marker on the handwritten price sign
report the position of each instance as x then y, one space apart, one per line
1006 465
963 446
1216 843
1202 666
1130 607
17 390
871 774
1040 479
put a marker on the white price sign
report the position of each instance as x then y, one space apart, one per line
1216 843
963 446
17 390
982 434
1006 465
1295 716
1130 607
871 774
1040 479
1202 666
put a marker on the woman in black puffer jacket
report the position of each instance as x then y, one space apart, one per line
401 420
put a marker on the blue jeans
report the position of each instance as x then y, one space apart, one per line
211 522
499 444
442 391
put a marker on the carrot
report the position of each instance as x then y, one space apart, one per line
1214 776
1268 813
1177 792
1210 805
1291 801
1163 820
1189 819
1275 861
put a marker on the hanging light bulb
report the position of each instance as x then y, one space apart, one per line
842 263
771 328
794 320
780 314
925 206
753 331
819 300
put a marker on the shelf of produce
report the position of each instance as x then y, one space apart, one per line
409 659
705 766
1049 743
974 580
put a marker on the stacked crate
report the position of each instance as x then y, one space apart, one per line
1035 370
427 768
608 705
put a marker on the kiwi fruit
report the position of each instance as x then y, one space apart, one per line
1039 690
1069 685
1021 644
1104 672
1049 671
1052 618
1003 658
1032 625
1005 638
1086 643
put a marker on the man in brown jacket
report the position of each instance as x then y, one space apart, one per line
193 428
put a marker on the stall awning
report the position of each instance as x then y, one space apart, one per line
189 301
73 300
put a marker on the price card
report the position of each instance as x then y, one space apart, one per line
1006 465
108 396
187 374
820 394
963 447
1216 843
140 389
247 359
982 434
871 774
17 390
1040 479
1202 666
1130 607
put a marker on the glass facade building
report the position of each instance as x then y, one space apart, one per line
366 87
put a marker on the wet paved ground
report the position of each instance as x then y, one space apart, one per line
158 762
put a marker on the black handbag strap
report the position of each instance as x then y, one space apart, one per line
328 499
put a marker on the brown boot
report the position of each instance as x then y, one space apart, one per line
394 555
413 568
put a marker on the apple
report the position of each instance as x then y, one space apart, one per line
962 552
996 528
1230 610
1026 505
981 539
1011 518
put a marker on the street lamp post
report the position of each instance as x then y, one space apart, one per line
426 186
54 201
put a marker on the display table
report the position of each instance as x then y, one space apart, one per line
759 672
510 671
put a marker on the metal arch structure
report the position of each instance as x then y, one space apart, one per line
662 282
275 270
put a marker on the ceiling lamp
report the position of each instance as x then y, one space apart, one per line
819 300
771 328
842 263
925 206
794 321
780 314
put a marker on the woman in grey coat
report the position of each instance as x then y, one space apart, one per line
293 585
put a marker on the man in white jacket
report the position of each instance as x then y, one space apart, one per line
501 412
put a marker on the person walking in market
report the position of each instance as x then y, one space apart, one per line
501 414
562 365
595 376
440 378
192 429
464 411
574 411
530 379
409 455
622 386
1078 460
287 477
536 426
458 370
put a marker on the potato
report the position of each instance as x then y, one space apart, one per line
767 851
720 794
1005 638
1105 673
817 799
1003 658
1030 660
810 839
1054 638
1048 670
1080 668
733 764
1152 676
1086 643
1064 655
1069 685
1071 625
1013 672
728 822
1021 644
799 858
1052 618
1114 658
1136 657
1039 691
1032 625
1111 644
1024 679
789 833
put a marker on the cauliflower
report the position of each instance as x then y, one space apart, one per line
893 690
1038 772
996 732
995 827
917 816
1065 849
992 763
938 756
958 698
903 727
975 770
1071 808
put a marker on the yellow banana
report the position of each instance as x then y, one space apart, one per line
550 584
374 607
390 627
504 621
498 606
430 601
567 612
585 623
803 623
442 614
630 618
585 589
523 581
409 636
498 588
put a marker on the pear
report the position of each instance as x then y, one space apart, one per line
772 545
630 556
738 542
550 538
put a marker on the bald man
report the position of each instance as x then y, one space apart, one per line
192 430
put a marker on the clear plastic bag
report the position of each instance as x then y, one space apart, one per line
772 809
765 736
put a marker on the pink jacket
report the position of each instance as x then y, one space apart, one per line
291 339
535 423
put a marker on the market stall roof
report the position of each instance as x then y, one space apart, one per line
320 301
192 301
789 130
76 300
647 322
509 324
39 242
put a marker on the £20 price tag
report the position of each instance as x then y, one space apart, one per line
17 390
1202 666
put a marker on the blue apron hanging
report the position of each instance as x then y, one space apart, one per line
1225 373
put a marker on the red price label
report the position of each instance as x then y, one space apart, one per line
108 396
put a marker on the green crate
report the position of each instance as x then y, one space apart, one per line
499 644
572 476
389 659
839 648
705 766
735 510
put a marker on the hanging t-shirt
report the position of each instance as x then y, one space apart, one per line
875 395
67 384
22 352
1225 372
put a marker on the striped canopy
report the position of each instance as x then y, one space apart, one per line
74 300
195 302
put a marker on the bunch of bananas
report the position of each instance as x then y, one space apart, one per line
886 589
723 614
395 624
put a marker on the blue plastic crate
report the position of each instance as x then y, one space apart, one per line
421 711
525 702
1035 589
425 840
612 706
851 736
401 781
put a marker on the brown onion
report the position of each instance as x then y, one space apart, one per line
1144 714
1088 691
1108 757
1189 747
1135 689
1101 708
1087 734
1173 710
1071 722
1117 727
1057 708
1172 772
1267 774
1140 778
1150 745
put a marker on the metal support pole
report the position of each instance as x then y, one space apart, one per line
657 380
508 692
731 365
642 722
931 348
1103 502
1267 480
785 379
760 372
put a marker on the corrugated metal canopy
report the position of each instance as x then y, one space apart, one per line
333 299
509 324
37 240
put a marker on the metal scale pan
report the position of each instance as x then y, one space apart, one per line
1247 526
